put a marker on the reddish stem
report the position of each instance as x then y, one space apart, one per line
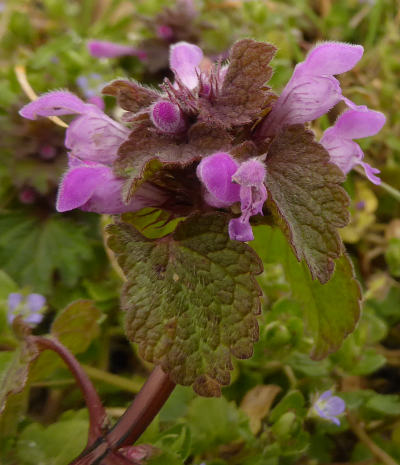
133 422
97 414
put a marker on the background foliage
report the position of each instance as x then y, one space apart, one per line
263 417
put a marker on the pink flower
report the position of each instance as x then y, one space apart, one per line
226 182
93 140
106 49
338 139
312 90
184 60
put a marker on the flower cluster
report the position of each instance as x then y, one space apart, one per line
216 121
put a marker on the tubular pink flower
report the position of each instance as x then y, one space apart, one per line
92 136
338 139
216 172
94 187
167 117
106 49
184 60
228 182
312 90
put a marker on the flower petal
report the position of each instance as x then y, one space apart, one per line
353 124
35 302
14 299
54 104
312 90
77 186
334 406
216 172
330 58
240 230
106 49
95 137
184 60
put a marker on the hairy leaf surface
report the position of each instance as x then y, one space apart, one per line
147 152
131 95
306 199
243 95
191 299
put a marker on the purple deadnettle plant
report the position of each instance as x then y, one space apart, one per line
220 151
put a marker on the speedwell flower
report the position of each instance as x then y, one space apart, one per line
30 308
329 407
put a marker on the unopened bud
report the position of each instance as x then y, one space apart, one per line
167 117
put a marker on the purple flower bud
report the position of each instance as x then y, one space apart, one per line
47 151
27 196
338 139
167 117
184 60
106 49
329 407
29 308
312 90
164 32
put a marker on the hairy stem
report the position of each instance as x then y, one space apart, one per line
360 432
97 414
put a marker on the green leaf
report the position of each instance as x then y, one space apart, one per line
306 199
332 309
77 325
14 368
191 299
58 444
384 404
31 250
222 423
292 402
7 285
392 256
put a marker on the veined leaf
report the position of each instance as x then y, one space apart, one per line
332 309
306 199
191 299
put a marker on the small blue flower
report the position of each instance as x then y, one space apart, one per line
30 307
329 407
